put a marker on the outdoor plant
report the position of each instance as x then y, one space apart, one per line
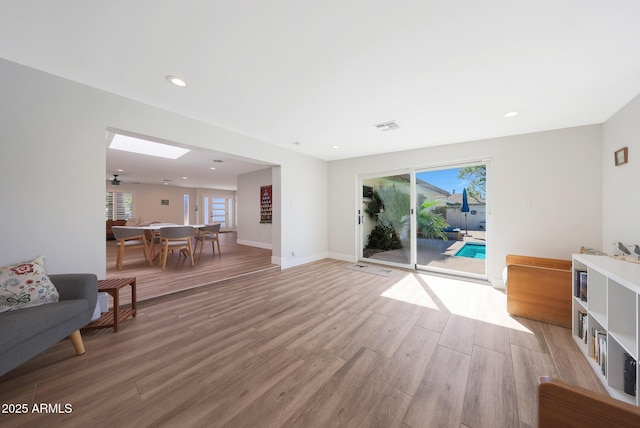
395 213
430 222
390 207
383 238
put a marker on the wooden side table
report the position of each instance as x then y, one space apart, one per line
116 316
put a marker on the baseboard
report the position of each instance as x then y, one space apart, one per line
343 257
263 245
297 261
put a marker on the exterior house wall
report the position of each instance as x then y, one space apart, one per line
476 221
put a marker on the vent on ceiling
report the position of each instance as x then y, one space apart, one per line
387 126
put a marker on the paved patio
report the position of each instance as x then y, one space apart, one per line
436 253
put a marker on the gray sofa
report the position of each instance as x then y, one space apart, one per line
27 332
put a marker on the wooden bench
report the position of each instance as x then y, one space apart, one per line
539 289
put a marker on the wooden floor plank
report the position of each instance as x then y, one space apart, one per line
223 404
529 335
386 341
489 398
564 352
459 334
439 399
434 319
330 405
493 336
290 395
409 363
528 366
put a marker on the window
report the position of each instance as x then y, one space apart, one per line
119 206
186 209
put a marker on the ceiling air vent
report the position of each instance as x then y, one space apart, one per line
387 126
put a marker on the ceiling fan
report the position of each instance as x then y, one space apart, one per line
115 181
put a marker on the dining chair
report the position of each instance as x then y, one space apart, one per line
208 233
129 238
153 240
176 238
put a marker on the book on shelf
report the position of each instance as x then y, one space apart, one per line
582 326
597 343
629 374
582 283
603 355
576 285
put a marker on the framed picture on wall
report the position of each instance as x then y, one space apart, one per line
266 204
622 156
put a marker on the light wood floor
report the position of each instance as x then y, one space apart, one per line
152 282
312 346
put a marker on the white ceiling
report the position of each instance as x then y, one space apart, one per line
191 170
322 73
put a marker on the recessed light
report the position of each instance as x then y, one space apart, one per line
185 178
176 81
120 170
335 147
213 167
511 114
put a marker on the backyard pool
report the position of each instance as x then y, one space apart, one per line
472 250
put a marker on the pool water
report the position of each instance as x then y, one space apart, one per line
472 250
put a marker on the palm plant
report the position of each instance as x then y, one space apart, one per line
390 207
395 212
430 223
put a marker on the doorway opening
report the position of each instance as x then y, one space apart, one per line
220 209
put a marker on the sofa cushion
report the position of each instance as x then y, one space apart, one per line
24 285
18 326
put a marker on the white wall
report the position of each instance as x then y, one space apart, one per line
621 204
52 170
558 172
250 230
147 198
304 204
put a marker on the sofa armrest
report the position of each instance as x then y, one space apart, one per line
564 405
76 286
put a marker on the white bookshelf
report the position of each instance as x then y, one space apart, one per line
612 306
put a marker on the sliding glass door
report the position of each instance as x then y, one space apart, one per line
385 219
451 214
432 219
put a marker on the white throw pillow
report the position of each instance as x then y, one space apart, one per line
26 284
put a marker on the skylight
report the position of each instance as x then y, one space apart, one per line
146 147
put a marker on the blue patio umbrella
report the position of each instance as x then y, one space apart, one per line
465 209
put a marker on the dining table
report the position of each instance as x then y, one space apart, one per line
152 232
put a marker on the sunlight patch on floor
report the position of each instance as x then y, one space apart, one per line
409 290
472 300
